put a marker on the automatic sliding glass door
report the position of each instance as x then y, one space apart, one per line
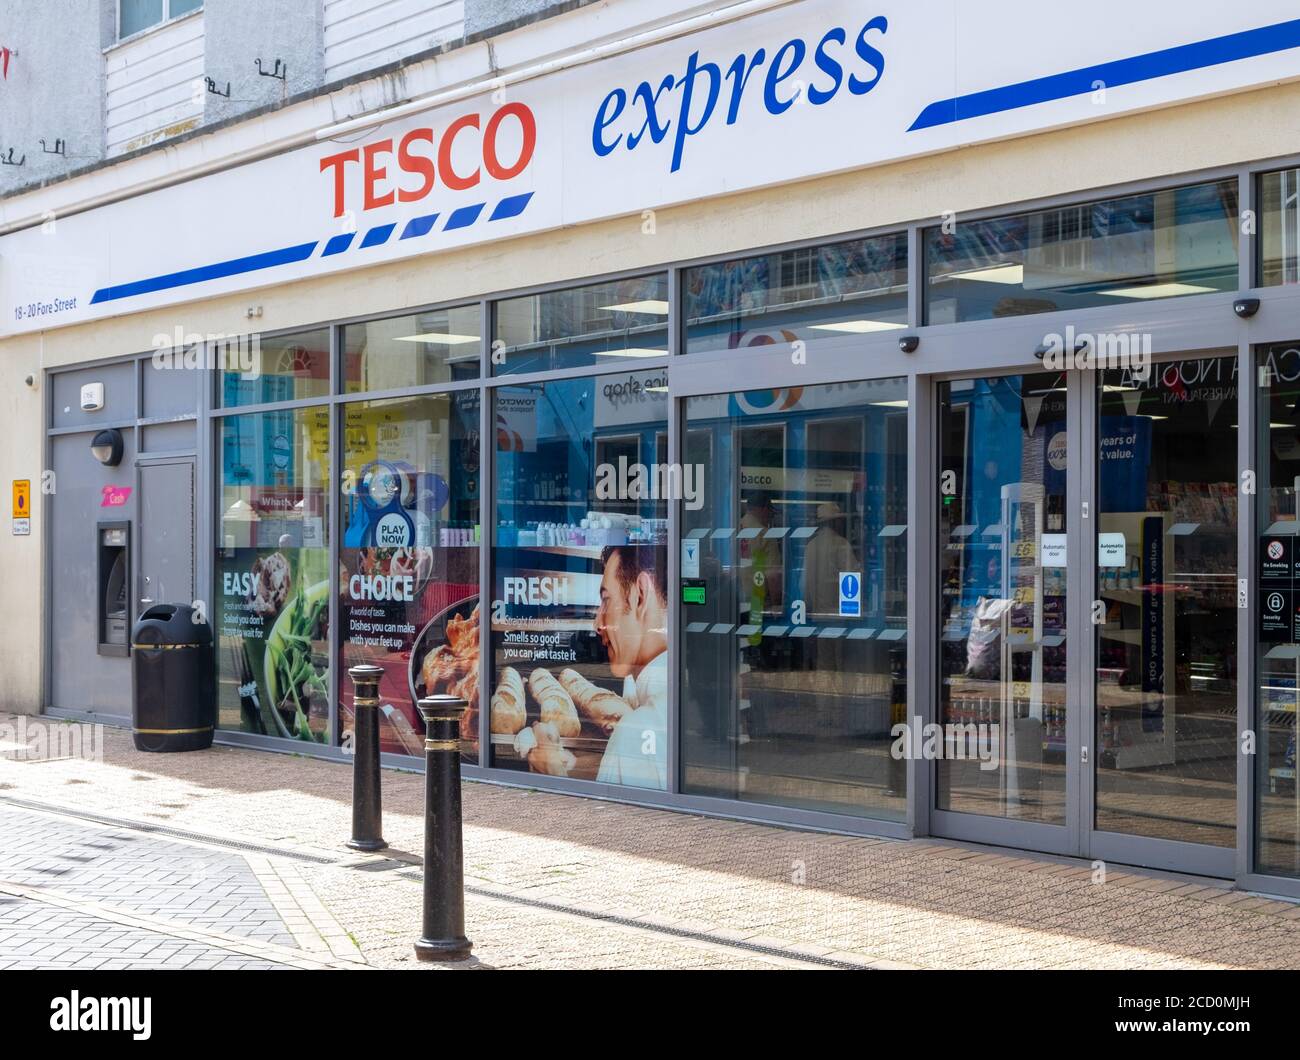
1165 725
1002 702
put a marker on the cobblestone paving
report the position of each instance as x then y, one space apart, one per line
36 935
186 884
911 904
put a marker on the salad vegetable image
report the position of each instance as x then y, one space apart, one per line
293 676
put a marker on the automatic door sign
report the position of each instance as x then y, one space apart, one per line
850 594
690 557
1276 615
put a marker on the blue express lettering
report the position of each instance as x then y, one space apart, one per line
683 106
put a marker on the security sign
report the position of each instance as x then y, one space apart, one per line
1276 615
22 515
850 594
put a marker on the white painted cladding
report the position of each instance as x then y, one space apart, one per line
150 85
363 34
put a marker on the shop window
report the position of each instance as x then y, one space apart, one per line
257 369
138 15
409 564
579 577
793 605
272 574
436 346
1164 244
597 325
822 294
1279 229
1277 703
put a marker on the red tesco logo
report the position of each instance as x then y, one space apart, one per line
422 155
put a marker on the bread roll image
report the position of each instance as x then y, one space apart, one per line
554 702
540 747
509 712
598 704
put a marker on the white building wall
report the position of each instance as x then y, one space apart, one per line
363 34
153 86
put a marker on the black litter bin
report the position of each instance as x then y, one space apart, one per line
175 703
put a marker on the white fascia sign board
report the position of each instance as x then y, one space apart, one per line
802 90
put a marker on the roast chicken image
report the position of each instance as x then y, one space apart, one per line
452 669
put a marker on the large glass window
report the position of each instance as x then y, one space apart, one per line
1166 715
272 574
1002 612
1161 244
1279 229
1277 702
409 560
838 291
579 579
437 346
794 596
258 369
582 326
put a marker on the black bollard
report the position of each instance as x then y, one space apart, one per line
367 805
442 936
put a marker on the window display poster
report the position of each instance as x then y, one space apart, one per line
578 618
581 675
412 611
273 636
409 566
1126 442
1153 623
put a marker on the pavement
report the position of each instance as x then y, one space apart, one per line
233 858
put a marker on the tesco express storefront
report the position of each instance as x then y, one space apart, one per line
871 419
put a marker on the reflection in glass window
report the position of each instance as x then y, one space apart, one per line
1277 701
437 346
1279 232
794 597
580 579
599 324
1164 244
822 293
260 369
409 561
272 574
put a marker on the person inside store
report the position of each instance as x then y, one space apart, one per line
763 554
827 556
632 623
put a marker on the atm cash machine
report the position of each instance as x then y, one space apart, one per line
113 549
